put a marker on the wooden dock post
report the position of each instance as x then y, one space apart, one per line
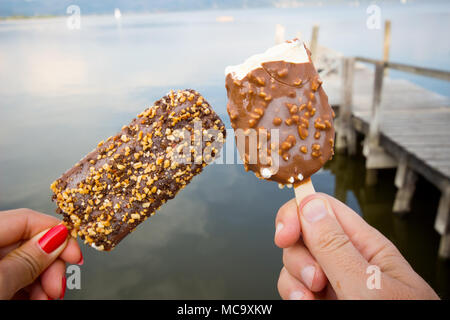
313 43
444 246
374 129
405 181
442 223
279 33
346 135
387 43
376 157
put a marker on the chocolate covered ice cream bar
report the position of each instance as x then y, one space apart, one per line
281 90
123 181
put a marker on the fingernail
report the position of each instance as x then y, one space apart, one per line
296 295
53 238
307 275
280 226
80 263
63 288
314 210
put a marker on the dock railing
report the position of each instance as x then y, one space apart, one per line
348 65
376 157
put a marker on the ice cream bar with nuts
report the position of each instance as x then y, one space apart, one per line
123 181
280 89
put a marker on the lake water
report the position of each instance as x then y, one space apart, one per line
62 91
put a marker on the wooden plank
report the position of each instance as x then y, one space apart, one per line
376 102
428 149
434 175
431 154
425 141
442 222
279 33
346 136
428 72
413 134
444 246
387 43
423 147
439 164
376 157
313 43
400 126
430 173
416 130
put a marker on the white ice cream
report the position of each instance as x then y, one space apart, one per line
293 51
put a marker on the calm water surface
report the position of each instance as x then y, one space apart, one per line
62 91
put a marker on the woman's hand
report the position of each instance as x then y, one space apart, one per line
34 249
329 252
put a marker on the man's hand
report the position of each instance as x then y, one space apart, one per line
327 252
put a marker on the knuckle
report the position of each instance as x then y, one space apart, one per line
5 291
286 255
293 256
394 290
389 260
281 212
285 209
25 211
279 283
330 241
31 265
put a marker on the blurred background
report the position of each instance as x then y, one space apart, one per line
73 72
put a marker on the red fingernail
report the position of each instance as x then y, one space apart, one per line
63 289
80 263
53 238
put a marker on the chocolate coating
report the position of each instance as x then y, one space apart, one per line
123 181
289 97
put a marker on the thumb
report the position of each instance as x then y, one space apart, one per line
23 265
342 263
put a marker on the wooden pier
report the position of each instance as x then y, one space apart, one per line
405 126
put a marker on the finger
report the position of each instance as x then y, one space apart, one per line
287 225
21 295
300 264
373 245
5 250
290 288
72 253
327 293
53 279
36 292
16 225
342 263
23 265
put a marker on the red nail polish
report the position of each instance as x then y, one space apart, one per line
63 289
53 238
80 263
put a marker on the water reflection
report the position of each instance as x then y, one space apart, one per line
414 234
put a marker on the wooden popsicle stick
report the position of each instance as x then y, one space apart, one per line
304 190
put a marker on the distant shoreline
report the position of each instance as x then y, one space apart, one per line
20 17
262 4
